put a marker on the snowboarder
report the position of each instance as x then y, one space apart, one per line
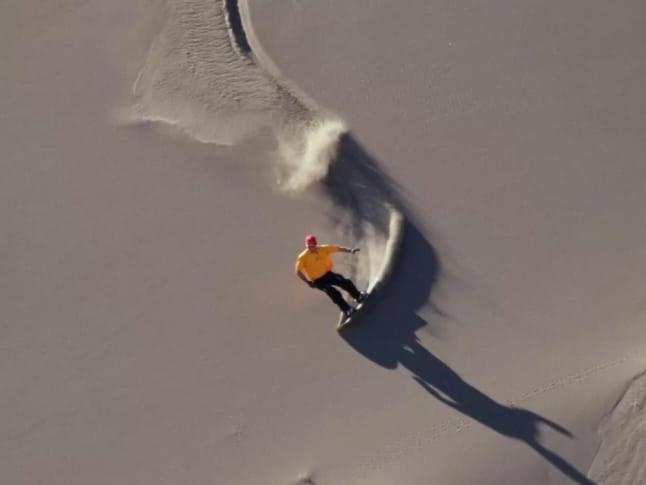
314 267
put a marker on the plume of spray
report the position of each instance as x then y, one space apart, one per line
305 154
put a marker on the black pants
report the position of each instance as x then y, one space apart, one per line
329 280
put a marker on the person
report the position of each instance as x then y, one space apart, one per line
314 267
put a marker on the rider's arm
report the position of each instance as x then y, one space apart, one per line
298 269
302 276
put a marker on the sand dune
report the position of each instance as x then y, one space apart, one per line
162 161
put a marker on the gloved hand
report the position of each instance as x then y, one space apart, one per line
354 250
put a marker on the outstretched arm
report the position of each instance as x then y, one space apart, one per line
348 250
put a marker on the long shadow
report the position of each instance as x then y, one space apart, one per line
447 386
386 333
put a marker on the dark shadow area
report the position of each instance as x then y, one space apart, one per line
360 189
235 23
386 333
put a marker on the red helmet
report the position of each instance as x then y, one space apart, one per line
310 240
